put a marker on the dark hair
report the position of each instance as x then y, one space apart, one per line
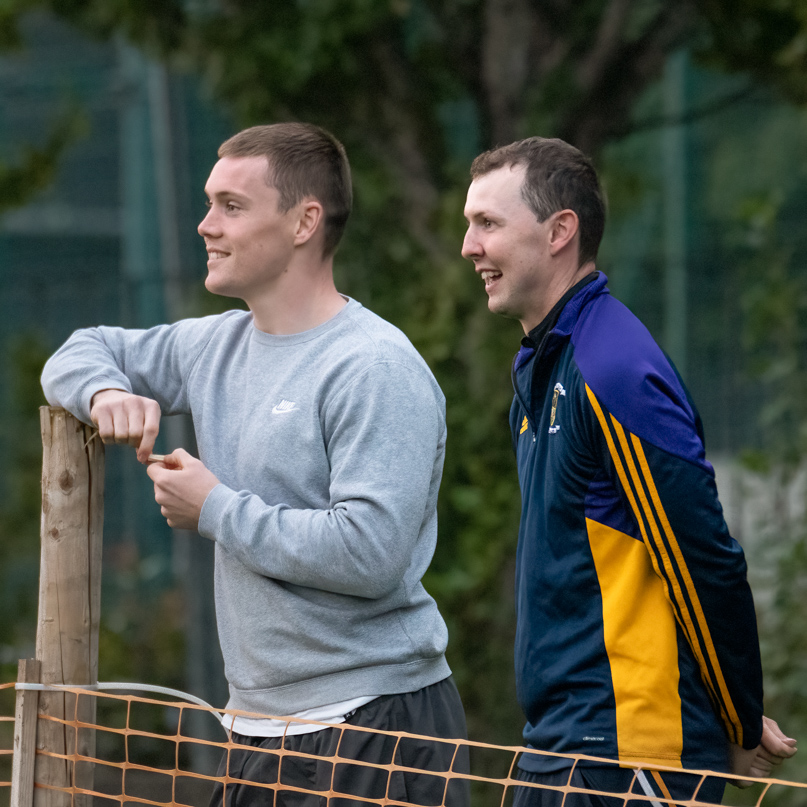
304 160
558 177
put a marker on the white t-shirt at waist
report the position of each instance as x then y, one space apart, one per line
276 727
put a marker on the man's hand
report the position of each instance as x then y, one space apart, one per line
181 485
774 748
772 751
125 418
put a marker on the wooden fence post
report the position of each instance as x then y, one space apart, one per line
69 600
22 766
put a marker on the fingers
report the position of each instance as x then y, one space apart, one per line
179 458
775 741
102 416
151 428
181 485
746 762
762 769
162 495
773 749
774 759
128 419
162 472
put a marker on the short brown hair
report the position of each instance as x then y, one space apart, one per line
304 160
558 177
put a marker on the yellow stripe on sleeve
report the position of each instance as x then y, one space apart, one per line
668 576
690 586
620 470
626 486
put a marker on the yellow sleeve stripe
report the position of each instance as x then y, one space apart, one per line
690 586
626 485
617 461
646 517
628 488
673 566
657 548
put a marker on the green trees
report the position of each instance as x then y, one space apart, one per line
35 168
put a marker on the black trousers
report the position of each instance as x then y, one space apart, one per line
619 781
309 769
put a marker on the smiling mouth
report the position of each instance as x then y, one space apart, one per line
214 255
489 276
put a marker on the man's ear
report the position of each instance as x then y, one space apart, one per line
311 219
564 227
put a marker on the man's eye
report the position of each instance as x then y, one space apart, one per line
208 204
231 207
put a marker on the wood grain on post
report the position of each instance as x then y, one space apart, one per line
69 601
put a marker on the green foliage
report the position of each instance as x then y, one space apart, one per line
156 24
20 485
142 639
36 168
767 39
775 302
9 32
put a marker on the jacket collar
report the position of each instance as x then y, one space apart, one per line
567 317
571 311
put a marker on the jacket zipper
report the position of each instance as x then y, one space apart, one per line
536 359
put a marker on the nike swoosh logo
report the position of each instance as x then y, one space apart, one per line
284 407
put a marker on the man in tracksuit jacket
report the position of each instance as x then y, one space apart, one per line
636 634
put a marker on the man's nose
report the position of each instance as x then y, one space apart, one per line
207 226
470 247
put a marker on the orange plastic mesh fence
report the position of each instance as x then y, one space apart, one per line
143 755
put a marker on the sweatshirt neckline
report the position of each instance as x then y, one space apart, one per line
289 339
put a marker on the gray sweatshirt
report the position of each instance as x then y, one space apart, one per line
329 447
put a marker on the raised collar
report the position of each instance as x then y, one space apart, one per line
561 319
571 311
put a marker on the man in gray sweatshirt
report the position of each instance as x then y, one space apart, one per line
321 436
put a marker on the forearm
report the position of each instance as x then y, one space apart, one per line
358 547
705 571
82 367
151 364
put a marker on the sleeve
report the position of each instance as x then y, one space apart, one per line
674 501
385 443
152 363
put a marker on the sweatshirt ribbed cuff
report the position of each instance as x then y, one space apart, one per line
213 509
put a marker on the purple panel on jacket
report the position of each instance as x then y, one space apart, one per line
604 505
630 375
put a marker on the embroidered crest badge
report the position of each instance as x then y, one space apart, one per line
558 392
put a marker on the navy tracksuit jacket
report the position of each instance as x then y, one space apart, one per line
636 633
